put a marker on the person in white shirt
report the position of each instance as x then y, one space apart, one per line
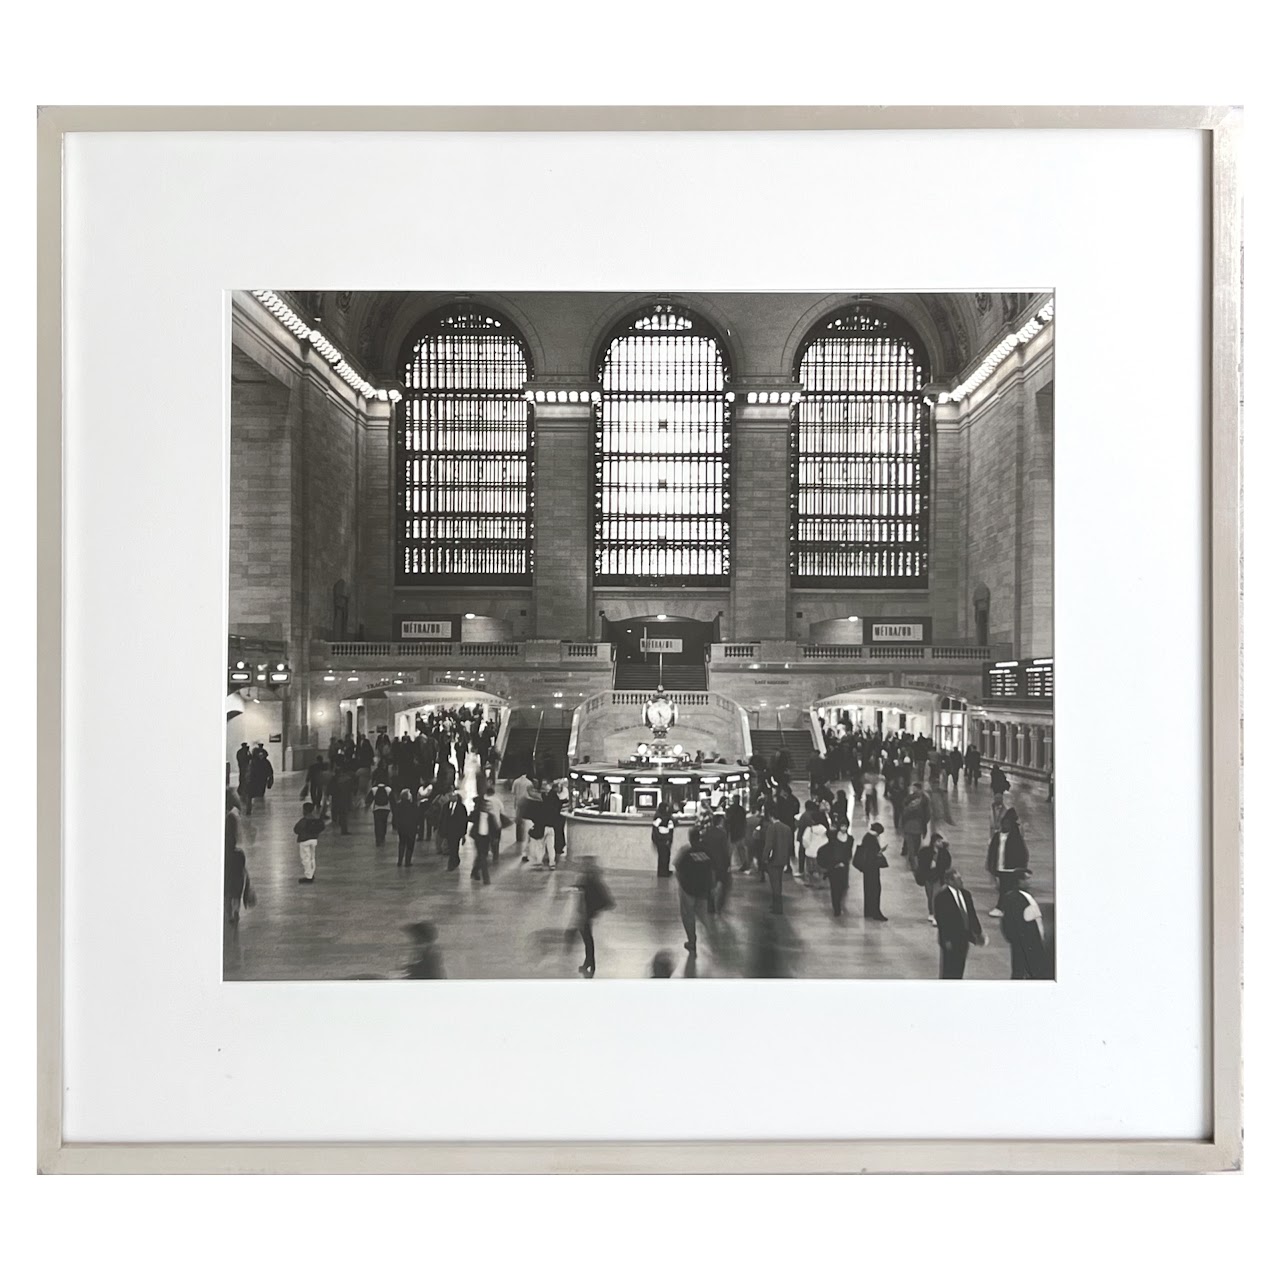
526 797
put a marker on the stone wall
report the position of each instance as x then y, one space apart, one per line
260 591
1007 440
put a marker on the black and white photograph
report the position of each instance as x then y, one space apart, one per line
640 635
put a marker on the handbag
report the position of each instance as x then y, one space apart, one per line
250 896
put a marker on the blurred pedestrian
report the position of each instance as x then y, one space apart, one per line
695 879
594 898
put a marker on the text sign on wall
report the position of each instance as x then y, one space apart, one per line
897 631
429 626
662 644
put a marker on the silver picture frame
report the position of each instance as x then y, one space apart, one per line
1219 1151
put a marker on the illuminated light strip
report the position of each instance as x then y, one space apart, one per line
304 332
998 354
562 397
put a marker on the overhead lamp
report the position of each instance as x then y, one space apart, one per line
352 679
468 615
330 679
853 617
662 617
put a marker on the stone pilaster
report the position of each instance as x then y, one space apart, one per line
563 521
760 575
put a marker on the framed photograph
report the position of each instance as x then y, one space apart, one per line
728 545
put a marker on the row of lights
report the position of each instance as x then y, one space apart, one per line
265 673
771 397
305 332
996 356
562 397
594 397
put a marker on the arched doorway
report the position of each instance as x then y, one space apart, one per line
894 710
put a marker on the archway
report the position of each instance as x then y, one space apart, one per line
894 709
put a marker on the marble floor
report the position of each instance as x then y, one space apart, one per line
352 922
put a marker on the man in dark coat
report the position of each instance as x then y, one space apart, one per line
453 826
1023 929
260 776
404 817
958 926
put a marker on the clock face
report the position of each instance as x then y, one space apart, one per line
659 713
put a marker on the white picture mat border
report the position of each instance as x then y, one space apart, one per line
781 1154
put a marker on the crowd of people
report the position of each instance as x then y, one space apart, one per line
777 837
412 786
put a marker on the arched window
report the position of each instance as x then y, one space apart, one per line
860 455
662 453
464 452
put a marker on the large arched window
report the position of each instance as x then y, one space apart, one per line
860 455
662 453
464 453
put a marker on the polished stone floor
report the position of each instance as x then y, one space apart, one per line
352 922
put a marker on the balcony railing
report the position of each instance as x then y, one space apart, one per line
505 652
514 654
784 651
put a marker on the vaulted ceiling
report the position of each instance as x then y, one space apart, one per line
763 330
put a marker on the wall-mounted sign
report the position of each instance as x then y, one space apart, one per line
662 644
275 737
429 626
897 630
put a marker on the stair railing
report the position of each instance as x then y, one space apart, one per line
537 734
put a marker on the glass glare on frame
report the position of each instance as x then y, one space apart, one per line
662 454
464 454
860 456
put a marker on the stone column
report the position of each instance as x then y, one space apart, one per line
760 573
564 541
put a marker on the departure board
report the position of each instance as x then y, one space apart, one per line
1039 677
1029 680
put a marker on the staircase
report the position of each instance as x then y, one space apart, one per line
555 744
530 743
519 752
676 677
799 742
